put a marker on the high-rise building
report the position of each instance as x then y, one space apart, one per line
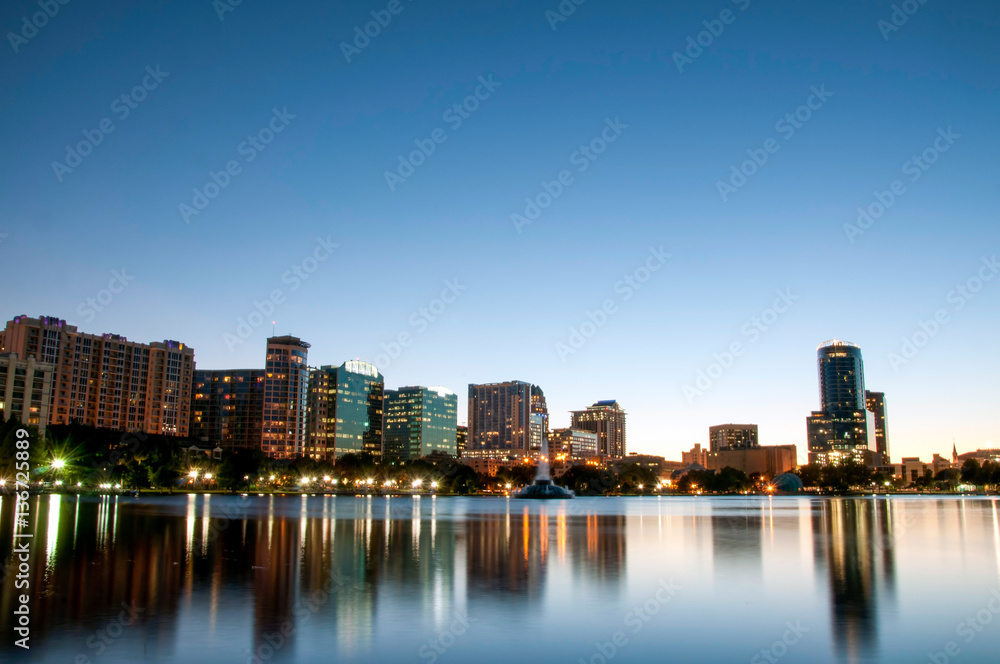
843 429
227 407
25 390
501 422
419 421
461 440
286 391
572 444
607 420
345 410
875 403
732 437
106 380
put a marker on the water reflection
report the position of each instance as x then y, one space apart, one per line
315 578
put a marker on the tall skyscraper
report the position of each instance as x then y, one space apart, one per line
286 390
607 420
875 403
227 407
106 380
843 429
25 390
500 419
420 421
345 410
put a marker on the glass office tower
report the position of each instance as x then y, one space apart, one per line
345 410
420 421
844 429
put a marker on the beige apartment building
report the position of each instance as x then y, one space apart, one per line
106 380
25 386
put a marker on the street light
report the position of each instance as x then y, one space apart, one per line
417 483
434 485
58 463
208 476
193 474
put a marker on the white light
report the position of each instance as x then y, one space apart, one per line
208 476
58 463
58 482
434 485
417 483
193 473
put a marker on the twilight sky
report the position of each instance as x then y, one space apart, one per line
568 167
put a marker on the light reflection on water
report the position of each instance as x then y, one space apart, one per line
323 578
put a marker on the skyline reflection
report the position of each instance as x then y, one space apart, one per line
303 578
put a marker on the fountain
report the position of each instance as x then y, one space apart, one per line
543 488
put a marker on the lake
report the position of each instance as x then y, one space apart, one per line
212 578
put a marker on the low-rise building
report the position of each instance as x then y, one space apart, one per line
768 461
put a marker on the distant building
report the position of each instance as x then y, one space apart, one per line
732 437
875 404
769 461
106 380
500 420
978 455
695 456
607 420
572 444
420 421
843 429
25 390
461 439
345 410
659 465
227 407
286 390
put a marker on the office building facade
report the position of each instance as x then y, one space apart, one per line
875 404
607 420
732 437
500 419
106 380
345 410
572 444
286 392
227 408
419 421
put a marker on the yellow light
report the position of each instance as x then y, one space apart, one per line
58 463
271 478
208 476
326 478
434 485
193 473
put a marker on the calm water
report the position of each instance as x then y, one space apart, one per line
331 579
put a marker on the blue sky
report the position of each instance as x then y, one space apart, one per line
521 294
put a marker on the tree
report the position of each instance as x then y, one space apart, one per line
970 471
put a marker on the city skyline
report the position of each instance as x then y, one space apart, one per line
868 214
309 389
